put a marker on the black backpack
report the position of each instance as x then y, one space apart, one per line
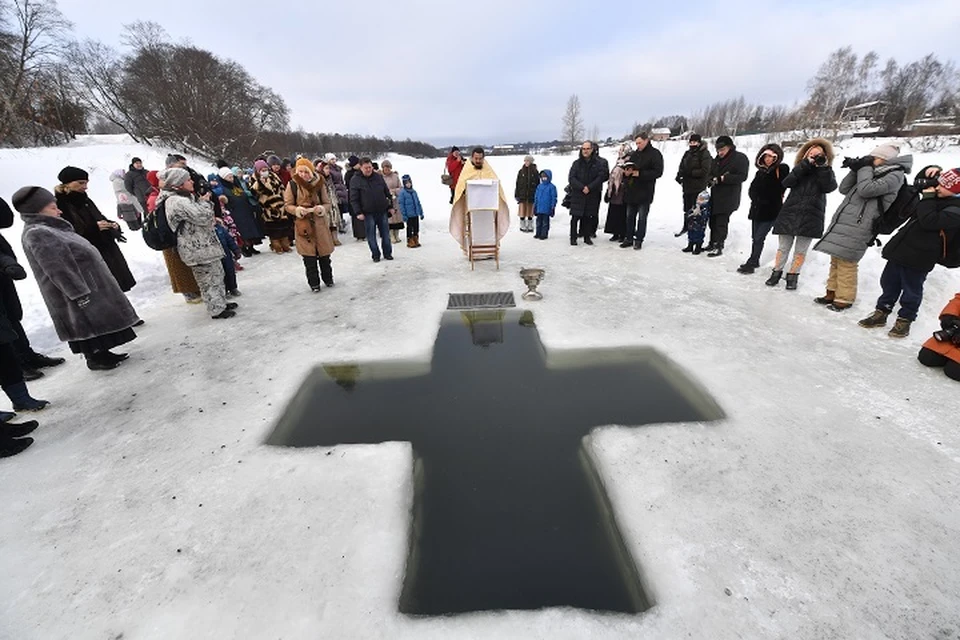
899 211
157 233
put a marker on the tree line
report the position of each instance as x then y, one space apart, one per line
54 87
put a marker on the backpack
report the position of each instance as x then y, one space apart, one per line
157 233
899 211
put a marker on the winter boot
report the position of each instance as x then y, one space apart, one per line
275 245
774 278
40 361
13 446
875 320
637 245
587 239
717 251
901 328
836 305
284 245
747 267
416 242
710 247
21 399
11 430
792 281
410 244
827 298
689 248
100 361
32 374
226 313
698 248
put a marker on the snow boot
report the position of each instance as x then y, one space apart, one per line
587 239
717 251
21 399
698 248
416 241
747 267
637 245
11 430
839 306
774 278
275 245
875 320
792 281
410 244
13 446
901 328
710 247
827 298
688 248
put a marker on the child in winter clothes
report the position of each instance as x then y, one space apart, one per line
916 249
697 220
231 250
129 208
409 203
231 226
544 203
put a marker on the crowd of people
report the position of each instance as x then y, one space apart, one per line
214 222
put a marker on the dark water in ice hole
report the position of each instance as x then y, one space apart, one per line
508 512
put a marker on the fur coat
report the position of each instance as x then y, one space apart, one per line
312 224
68 268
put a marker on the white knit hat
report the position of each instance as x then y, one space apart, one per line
886 151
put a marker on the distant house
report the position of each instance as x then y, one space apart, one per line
865 114
658 135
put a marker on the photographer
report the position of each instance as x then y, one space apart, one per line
728 172
943 349
916 249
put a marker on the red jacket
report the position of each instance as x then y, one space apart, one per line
454 167
947 349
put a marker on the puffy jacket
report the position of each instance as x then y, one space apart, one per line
869 191
545 197
725 195
694 170
528 179
409 203
369 195
585 172
923 240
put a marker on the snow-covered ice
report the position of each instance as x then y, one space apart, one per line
827 505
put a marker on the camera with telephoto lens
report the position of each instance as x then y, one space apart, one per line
950 334
923 182
819 160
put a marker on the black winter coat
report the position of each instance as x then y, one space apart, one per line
135 181
694 171
766 193
805 209
725 195
369 196
9 300
649 163
528 179
923 240
80 211
586 173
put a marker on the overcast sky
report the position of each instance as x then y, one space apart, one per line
502 70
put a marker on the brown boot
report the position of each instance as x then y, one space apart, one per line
411 244
275 245
285 245
827 299
416 242
336 237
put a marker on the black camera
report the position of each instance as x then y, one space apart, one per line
950 334
923 182
819 160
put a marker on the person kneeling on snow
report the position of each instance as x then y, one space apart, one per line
197 242
913 253
412 211
943 349
544 203
696 224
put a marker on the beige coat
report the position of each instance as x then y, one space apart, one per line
394 184
312 221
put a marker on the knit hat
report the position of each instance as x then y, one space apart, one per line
72 174
171 160
221 163
696 137
329 157
886 151
303 162
135 160
724 141
272 160
260 165
353 161
405 179
949 180
31 199
225 172
173 177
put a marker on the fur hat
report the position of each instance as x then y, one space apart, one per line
723 141
949 180
173 177
72 174
696 137
353 161
303 162
32 199
329 157
886 151
272 160
225 172
260 165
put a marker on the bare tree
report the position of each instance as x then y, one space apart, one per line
573 128
100 79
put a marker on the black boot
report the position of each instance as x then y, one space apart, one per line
587 239
32 374
100 361
717 251
747 267
13 446
698 248
626 244
21 399
792 281
689 248
774 278
11 430
39 361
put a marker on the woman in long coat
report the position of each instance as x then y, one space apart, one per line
243 212
308 200
85 218
88 309
616 223
267 187
586 178
326 172
392 178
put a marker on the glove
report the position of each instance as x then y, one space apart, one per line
948 322
849 163
83 301
13 270
421 217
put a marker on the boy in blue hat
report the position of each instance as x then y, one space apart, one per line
411 210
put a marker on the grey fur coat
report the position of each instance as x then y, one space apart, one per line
192 219
68 268
869 191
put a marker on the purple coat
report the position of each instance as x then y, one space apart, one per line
336 174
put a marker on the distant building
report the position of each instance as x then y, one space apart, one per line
661 134
864 115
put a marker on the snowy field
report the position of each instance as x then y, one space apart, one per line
827 505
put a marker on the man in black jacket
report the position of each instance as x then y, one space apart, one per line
728 172
644 167
586 178
370 200
136 183
694 171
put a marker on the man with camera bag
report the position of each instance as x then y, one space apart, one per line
917 248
